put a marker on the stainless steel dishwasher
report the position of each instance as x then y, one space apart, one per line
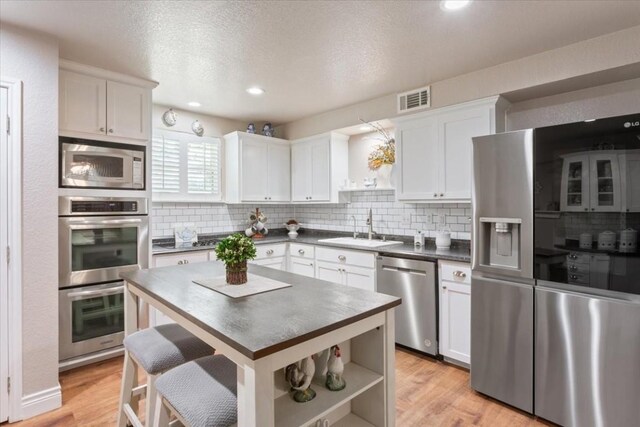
415 282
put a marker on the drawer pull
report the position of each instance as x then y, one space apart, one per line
186 261
444 288
180 262
459 273
270 252
573 268
342 257
301 251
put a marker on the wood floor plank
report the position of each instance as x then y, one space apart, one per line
428 393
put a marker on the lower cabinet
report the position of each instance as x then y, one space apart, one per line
347 267
455 311
271 255
156 318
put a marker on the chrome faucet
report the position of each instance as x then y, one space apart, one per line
355 232
370 224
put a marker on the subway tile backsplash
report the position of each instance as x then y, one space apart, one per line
389 216
209 218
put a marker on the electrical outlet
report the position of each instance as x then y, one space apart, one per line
441 219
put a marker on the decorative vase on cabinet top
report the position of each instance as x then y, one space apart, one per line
383 176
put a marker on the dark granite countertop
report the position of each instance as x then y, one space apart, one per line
262 324
460 250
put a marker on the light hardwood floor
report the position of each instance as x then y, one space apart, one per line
429 393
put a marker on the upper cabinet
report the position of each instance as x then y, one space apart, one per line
99 104
601 181
83 103
257 168
433 161
319 164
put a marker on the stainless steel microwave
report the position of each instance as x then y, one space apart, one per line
94 164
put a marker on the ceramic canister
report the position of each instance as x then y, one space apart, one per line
586 240
628 240
607 241
443 240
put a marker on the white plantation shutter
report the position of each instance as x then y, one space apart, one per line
165 165
203 165
185 167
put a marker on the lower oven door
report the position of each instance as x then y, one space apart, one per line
91 319
99 249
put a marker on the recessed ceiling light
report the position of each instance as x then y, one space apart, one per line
590 120
194 104
255 90
453 4
365 128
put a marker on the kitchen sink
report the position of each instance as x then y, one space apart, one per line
363 243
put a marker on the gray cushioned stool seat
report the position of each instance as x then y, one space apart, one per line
164 347
203 392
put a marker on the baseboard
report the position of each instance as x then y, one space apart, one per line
41 402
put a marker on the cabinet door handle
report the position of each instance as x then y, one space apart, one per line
101 129
444 288
311 264
573 268
301 251
270 252
110 130
342 257
435 194
186 261
180 262
459 274
441 194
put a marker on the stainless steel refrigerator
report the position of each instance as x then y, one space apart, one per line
555 299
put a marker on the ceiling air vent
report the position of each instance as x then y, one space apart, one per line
415 99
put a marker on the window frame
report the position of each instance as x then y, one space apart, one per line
183 195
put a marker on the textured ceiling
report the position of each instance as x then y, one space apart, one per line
308 56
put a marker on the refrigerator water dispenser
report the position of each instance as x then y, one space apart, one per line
500 239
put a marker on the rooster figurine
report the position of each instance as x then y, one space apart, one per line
335 369
299 376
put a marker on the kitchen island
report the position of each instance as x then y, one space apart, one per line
264 333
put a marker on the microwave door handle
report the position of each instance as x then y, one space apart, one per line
96 293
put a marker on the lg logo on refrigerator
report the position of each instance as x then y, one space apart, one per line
632 124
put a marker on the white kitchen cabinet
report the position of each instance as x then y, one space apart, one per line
82 103
102 105
257 169
127 111
180 258
434 149
346 267
629 177
592 181
319 164
271 255
157 318
455 131
455 311
302 259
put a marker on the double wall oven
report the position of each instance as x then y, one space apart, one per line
99 238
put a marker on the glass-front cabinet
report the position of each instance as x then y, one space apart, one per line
591 182
575 184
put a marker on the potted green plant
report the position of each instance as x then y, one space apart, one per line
234 251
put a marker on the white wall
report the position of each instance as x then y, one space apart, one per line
609 52
614 99
213 126
33 58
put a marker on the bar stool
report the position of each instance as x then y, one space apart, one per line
200 393
156 350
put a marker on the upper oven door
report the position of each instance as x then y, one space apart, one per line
84 165
98 249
